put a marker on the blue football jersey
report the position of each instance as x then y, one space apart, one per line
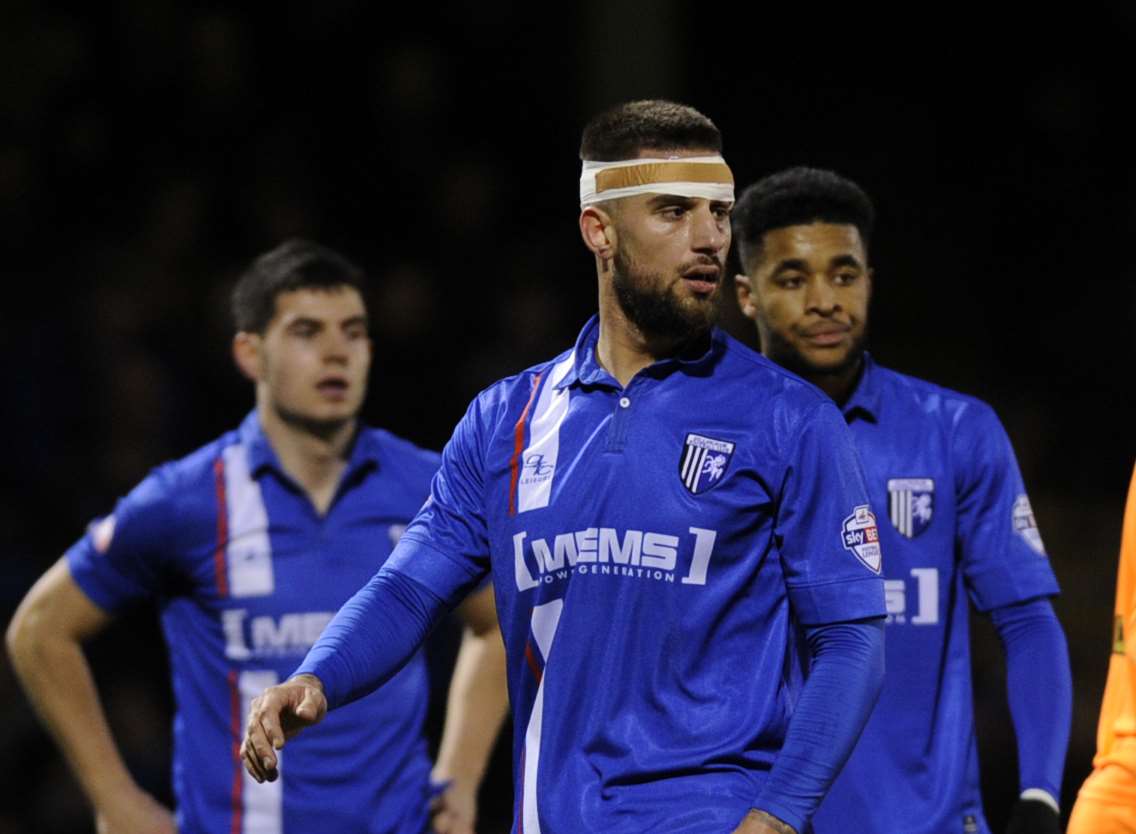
654 551
958 527
246 575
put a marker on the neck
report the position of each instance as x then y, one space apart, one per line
313 454
623 349
839 385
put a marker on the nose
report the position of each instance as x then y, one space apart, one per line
335 347
711 234
820 298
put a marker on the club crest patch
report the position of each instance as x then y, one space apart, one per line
703 463
1025 525
861 536
911 502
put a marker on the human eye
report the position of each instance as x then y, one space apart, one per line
673 211
846 277
789 281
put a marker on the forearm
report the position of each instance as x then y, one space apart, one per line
57 679
475 707
836 701
374 634
1039 691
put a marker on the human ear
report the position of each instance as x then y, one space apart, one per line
598 231
743 285
246 354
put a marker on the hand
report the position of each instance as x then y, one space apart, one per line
1033 817
134 812
275 715
454 810
759 822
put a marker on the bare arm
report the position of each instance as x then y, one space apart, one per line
475 708
44 643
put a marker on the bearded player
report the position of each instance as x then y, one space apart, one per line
671 522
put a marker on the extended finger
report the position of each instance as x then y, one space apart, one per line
258 745
252 763
268 718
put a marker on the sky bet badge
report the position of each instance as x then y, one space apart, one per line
704 461
910 502
862 537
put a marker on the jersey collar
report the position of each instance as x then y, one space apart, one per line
866 398
586 370
365 452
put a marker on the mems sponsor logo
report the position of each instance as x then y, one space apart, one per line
265 636
606 551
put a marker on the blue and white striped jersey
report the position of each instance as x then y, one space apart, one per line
654 549
958 527
246 575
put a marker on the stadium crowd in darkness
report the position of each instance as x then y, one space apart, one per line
148 151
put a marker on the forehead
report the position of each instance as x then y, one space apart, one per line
330 304
812 241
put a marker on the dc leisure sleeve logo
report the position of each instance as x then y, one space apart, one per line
703 463
862 537
1025 525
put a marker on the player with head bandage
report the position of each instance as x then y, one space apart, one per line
675 527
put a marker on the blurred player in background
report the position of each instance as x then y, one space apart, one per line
960 525
655 504
1107 801
249 546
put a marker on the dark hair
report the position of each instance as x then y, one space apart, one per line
794 197
653 124
293 265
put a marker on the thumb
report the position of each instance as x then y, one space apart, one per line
311 705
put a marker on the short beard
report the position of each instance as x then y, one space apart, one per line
788 357
658 315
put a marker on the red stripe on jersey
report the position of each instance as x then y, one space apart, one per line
538 673
519 446
238 770
220 569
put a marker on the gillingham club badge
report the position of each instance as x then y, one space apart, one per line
703 463
862 537
910 504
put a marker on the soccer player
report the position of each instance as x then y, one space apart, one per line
249 546
959 526
671 521
1107 801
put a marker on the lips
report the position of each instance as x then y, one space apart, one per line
827 334
702 278
333 387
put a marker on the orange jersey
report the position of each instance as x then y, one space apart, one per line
1116 732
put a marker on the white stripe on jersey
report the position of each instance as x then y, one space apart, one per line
534 491
248 553
544 621
262 806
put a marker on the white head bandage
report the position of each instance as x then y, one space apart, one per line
708 177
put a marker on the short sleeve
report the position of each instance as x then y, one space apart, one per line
118 561
826 530
1002 555
446 546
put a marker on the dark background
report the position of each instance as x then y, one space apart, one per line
149 149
